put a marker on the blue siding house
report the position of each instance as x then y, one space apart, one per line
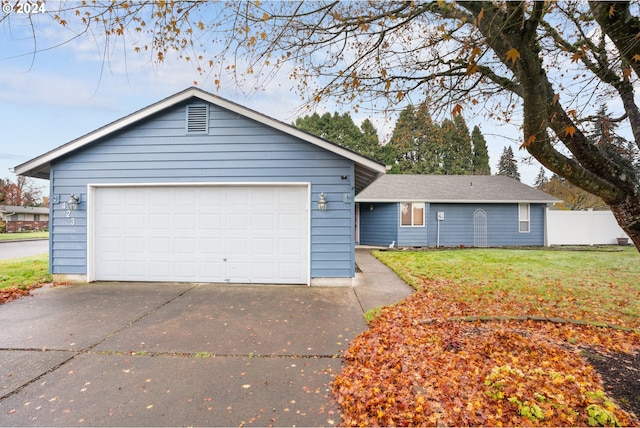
450 210
196 188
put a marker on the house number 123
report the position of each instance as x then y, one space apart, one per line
73 220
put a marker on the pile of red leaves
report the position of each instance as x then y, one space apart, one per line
420 365
13 293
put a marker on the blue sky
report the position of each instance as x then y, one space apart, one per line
58 95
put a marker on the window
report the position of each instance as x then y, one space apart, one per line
524 223
197 119
412 214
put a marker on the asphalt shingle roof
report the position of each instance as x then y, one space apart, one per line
450 188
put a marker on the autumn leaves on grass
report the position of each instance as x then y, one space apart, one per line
420 363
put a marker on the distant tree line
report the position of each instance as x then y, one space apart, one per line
418 144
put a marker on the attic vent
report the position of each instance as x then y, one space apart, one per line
197 119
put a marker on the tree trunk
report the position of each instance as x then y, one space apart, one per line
627 214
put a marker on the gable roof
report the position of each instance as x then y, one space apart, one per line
366 169
451 189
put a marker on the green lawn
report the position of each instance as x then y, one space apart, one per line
25 271
589 285
23 235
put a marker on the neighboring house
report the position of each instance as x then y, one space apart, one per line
451 210
196 188
18 219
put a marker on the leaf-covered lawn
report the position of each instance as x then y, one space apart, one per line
601 286
420 364
18 276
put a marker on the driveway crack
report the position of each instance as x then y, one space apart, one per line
88 348
140 318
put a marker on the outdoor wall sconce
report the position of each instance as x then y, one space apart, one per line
322 202
72 203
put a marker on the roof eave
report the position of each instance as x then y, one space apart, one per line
291 130
39 166
45 159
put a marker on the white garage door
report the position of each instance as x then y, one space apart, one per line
237 234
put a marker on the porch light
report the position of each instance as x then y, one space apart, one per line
72 203
322 202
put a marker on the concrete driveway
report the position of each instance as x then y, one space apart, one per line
127 354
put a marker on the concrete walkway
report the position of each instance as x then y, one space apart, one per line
377 285
149 354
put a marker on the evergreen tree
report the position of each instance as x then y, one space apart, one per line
369 142
621 151
455 148
415 142
508 165
480 153
341 129
541 179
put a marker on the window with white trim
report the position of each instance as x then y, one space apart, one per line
412 214
524 218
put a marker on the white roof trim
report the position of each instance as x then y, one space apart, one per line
182 96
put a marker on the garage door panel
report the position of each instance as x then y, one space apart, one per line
159 269
202 234
212 199
136 270
111 245
289 271
237 221
159 245
263 272
186 198
159 221
289 246
264 246
210 221
212 271
211 247
240 196
289 222
237 271
185 221
110 269
263 222
186 270
237 246
135 247
185 246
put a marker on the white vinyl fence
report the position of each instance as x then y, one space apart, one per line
582 228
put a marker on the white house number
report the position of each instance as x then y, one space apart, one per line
68 215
